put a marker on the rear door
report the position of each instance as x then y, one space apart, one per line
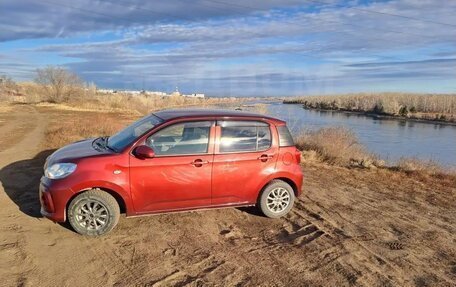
245 154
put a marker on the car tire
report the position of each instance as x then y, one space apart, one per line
93 213
277 199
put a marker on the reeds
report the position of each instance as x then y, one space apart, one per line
421 106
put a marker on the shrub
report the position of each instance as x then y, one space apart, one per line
336 145
7 85
378 109
403 111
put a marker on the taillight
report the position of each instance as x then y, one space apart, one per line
298 155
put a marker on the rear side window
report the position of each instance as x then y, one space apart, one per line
285 138
244 136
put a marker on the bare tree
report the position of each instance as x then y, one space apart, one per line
59 83
7 85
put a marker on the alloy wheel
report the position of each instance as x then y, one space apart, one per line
92 215
278 199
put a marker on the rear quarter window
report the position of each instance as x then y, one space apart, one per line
285 138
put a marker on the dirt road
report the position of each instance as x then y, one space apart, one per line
349 228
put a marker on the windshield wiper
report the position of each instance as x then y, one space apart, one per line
97 144
106 144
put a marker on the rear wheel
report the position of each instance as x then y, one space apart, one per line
93 213
276 199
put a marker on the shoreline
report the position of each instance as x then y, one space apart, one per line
378 116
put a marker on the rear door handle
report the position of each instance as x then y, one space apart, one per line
265 157
199 162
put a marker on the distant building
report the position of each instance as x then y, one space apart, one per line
106 91
151 93
194 96
176 92
131 92
156 93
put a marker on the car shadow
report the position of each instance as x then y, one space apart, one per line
252 210
21 180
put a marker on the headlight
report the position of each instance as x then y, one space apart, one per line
59 170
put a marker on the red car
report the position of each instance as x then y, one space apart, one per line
173 160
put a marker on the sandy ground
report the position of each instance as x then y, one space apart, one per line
349 228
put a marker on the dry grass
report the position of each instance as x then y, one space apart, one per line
71 128
25 92
415 165
88 99
420 106
5 108
426 171
260 109
336 145
143 104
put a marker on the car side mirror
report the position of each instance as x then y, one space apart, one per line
144 151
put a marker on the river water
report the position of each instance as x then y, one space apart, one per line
391 139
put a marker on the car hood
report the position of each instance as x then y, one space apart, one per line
76 151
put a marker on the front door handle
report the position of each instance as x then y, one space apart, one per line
199 162
265 157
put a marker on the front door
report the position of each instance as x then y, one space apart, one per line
179 176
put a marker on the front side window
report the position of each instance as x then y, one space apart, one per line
244 136
183 138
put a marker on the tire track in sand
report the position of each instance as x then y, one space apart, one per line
22 134
25 118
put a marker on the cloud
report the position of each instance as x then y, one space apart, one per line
51 18
450 61
235 47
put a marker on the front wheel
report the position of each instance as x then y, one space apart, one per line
93 213
276 199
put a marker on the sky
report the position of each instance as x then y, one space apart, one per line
236 47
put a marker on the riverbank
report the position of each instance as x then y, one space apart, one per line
389 138
384 116
416 107
339 146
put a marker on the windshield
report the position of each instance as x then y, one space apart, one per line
125 137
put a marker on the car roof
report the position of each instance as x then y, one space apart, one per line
218 113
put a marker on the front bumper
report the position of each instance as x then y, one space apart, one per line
53 200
